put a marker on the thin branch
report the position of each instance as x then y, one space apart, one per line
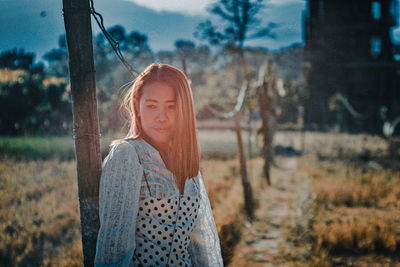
238 107
242 95
265 32
220 12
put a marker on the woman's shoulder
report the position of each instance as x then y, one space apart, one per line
123 149
125 144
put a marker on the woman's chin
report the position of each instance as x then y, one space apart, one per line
158 142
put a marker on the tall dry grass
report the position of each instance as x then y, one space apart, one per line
357 209
39 215
352 186
361 230
355 206
334 145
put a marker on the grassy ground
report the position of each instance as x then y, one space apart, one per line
357 215
356 181
214 145
35 148
39 215
355 219
275 237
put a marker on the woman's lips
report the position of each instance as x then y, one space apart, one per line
162 129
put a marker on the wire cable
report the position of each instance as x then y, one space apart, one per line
114 44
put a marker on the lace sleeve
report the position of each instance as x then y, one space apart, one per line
204 246
118 205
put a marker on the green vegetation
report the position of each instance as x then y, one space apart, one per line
37 148
62 147
43 148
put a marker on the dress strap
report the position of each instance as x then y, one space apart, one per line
147 182
145 177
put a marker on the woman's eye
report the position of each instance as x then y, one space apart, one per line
151 106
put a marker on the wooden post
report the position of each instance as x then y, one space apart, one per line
235 114
303 130
247 191
265 111
304 99
250 131
86 126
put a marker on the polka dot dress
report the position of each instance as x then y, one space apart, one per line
163 228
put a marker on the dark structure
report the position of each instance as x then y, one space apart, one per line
350 50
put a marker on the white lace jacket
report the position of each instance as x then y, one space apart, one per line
122 189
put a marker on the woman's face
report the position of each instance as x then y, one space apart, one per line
158 113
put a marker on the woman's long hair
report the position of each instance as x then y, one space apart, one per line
184 145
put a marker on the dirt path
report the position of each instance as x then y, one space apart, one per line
276 237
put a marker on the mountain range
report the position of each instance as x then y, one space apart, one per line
35 25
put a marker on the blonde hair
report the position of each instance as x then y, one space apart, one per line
184 145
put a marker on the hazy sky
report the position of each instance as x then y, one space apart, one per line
193 7
35 25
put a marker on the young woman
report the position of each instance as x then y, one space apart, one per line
154 209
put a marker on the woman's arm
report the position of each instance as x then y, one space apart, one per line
118 205
204 247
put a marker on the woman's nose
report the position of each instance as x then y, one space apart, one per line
162 114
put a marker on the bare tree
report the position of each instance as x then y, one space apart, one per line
239 23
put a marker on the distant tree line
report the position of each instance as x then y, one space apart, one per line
35 98
29 102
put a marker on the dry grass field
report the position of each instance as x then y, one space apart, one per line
39 214
357 215
355 218
356 181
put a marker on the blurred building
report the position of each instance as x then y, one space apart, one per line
350 50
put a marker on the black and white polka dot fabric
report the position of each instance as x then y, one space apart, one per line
163 230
